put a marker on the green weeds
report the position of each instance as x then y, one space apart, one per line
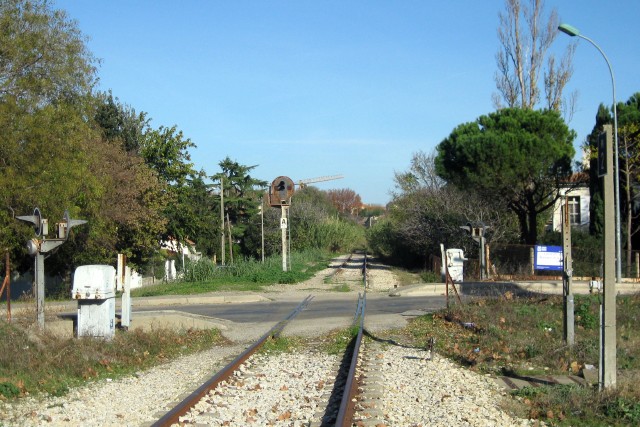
430 277
338 341
341 288
281 344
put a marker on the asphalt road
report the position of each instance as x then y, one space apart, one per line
322 306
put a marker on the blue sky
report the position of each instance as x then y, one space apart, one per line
315 88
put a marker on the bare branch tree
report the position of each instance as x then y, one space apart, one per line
525 37
434 211
421 174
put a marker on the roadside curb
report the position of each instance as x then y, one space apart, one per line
478 288
157 301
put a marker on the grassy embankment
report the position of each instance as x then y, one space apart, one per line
32 363
524 337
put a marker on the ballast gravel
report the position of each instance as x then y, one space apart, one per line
280 390
407 387
411 387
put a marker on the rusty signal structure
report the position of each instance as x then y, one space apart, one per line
280 192
304 182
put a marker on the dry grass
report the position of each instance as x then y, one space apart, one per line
34 362
524 337
405 277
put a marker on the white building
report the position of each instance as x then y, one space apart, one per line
575 193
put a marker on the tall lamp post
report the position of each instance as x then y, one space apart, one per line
574 32
608 346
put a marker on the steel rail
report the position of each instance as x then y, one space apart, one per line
173 416
348 402
340 268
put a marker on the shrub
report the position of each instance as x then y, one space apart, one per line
9 390
586 311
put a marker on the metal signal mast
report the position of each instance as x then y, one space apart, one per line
303 182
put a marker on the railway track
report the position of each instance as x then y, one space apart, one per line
350 270
327 398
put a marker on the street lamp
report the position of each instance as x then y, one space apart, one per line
573 32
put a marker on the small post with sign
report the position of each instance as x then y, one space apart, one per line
280 193
477 233
284 218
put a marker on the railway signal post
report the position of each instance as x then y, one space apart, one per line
40 245
280 192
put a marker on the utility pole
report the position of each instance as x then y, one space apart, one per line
608 321
222 249
280 192
262 227
567 288
284 219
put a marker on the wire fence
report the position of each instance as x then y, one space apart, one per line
517 261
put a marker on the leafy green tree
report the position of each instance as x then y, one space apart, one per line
242 198
44 164
46 78
121 123
127 215
165 150
187 206
200 214
629 173
518 157
43 56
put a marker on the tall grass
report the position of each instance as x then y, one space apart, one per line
243 275
333 234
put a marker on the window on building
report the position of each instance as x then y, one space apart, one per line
574 209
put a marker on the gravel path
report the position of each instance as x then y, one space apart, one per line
412 390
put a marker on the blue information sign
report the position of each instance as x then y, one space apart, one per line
548 258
